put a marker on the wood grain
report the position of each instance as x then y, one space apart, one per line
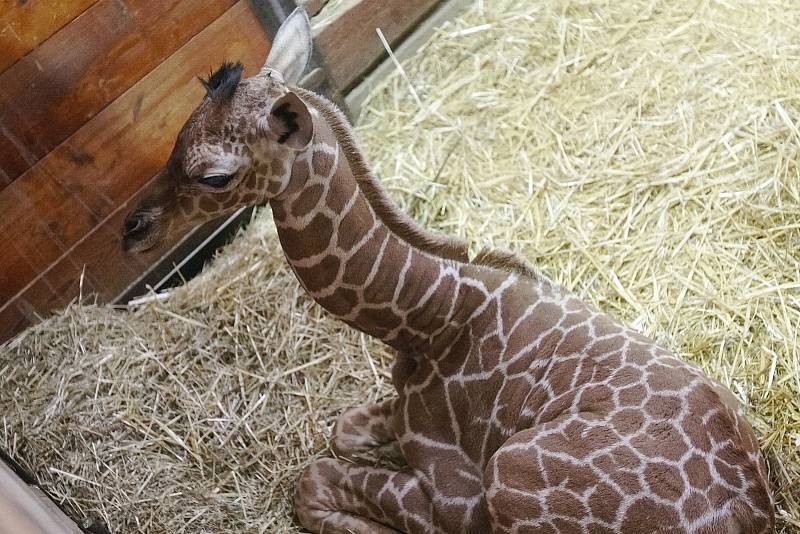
339 26
26 24
312 7
12 321
71 202
57 87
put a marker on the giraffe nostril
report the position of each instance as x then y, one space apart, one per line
134 223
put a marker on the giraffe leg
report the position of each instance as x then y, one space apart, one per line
335 496
364 428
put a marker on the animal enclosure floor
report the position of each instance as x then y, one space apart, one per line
642 153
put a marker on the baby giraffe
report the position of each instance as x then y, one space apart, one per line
520 408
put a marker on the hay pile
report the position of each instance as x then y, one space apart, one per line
643 153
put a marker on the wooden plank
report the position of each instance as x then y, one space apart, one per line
99 257
273 12
103 270
447 10
345 35
53 90
312 7
25 205
80 204
25 24
23 511
12 321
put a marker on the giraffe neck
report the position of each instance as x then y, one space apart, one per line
356 264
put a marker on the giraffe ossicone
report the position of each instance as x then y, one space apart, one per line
519 407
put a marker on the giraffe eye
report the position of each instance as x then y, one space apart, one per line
216 180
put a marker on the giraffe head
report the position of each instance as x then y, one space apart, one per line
236 149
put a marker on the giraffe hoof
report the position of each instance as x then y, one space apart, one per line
355 433
350 446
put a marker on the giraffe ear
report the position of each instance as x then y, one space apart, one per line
291 48
290 120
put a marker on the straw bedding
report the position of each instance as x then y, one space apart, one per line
643 153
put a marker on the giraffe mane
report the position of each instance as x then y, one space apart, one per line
221 84
400 223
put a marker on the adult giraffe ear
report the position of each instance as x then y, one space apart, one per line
290 121
291 48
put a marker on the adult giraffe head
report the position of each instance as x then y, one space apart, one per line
237 147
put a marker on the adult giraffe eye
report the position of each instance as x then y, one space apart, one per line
216 180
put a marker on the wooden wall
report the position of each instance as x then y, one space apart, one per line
340 25
92 95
